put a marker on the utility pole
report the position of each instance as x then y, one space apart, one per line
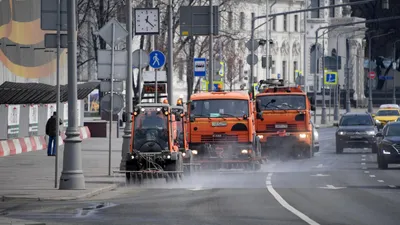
394 71
211 50
58 92
170 53
305 48
347 75
128 86
72 175
267 43
253 19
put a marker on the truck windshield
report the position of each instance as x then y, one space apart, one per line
282 102
150 126
219 108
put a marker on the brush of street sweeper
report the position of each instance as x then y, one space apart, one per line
151 166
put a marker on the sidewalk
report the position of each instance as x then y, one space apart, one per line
31 175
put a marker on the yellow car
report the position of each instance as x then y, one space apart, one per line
387 113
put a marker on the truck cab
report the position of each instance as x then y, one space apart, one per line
283 119
222 130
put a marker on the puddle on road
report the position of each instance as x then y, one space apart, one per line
88 211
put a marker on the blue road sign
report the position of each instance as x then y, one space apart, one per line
385 78
157 59
330 78
279 76
199 67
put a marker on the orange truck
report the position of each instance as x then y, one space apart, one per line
222 131
283 120
154 146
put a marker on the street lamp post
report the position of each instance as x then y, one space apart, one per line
394 71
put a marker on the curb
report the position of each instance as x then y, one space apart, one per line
83 196
34 143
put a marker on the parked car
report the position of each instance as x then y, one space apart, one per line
356 130
388 145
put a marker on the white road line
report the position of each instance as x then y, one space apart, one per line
363 155
289 207
268 182
381 181
371 175
362 163
363 159
366 171
392 186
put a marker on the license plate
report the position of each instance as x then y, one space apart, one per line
280 125
355 137
219 124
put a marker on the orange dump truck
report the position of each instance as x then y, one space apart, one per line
283 120
222 131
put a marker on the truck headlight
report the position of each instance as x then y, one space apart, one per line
260 136
194 152
244 151
303 135
341 133
184 154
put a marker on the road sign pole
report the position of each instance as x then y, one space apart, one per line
211 50
139 84
156 87
58 93
370 110
112 99
267 38
394 71
72 177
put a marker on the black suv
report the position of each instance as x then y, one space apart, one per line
388 145
356 130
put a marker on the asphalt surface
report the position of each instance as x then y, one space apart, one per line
327 189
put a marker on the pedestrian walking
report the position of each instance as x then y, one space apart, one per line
51 131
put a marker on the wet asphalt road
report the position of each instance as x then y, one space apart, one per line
327 189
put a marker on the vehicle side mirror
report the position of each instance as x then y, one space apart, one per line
312 108
192 119
259 116
336 124
379 134
377 123
258 109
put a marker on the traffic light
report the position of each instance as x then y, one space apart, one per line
385 4
264 61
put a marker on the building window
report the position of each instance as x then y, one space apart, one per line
284 22
296 23
230 20
273 24
273 70
332 10
284 70
315 4
242 18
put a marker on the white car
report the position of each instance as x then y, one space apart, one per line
316 138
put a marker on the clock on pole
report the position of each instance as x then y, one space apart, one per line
147 21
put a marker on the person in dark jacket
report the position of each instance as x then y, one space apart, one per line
51 131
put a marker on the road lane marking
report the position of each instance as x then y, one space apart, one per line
319 166
329 186
371 175
362 163
268 182
366 171
289 207
363 159
320 175
381 181
363 155
392 186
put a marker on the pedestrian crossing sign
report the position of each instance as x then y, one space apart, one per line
330 78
